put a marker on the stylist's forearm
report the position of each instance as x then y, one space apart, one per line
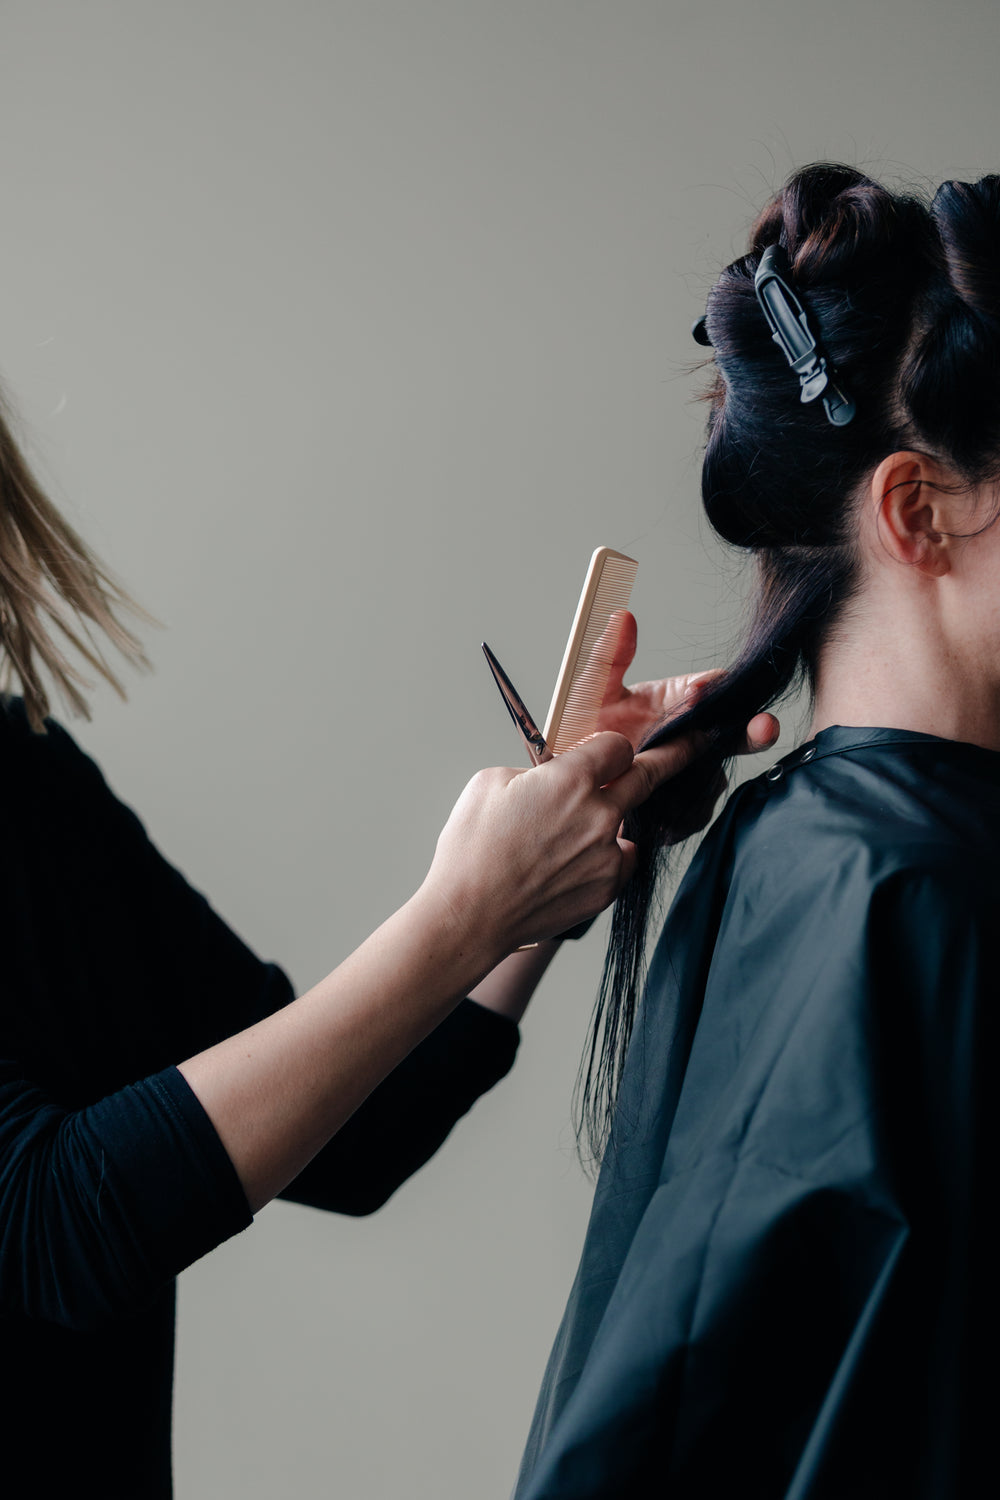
523 855
510 986
278 1091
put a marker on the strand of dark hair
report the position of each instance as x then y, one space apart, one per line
793 597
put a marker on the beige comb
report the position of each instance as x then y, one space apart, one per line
586 664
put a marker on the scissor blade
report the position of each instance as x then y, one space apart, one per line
527 728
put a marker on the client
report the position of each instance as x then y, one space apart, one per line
783 1291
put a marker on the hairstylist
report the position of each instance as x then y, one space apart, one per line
159 1083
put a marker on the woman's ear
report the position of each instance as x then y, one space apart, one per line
914 503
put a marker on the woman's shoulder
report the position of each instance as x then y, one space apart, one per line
54 783
868 818
18 737
884 802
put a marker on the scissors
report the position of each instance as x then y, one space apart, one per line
532 736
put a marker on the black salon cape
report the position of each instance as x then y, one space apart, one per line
112 1178
787 1290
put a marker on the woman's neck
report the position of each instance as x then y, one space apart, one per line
904 666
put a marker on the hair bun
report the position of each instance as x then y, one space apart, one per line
740 526
967 216
949 379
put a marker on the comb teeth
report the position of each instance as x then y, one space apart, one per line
590 651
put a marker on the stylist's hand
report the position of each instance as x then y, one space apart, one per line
527 854
634 711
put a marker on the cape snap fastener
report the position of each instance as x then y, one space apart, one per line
808 754
775 773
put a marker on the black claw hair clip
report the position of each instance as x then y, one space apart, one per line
790 330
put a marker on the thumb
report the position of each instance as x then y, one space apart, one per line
622 632
601 757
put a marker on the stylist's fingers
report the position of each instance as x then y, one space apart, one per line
600 758
526 855
651 768
620 633
762 731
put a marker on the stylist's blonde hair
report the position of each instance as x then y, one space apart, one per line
52 591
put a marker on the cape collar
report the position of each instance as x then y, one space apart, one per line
840 739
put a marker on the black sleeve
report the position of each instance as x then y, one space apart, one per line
99 1207
147 974
404 1121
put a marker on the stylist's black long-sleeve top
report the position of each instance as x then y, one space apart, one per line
112 1178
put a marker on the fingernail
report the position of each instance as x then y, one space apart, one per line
698 687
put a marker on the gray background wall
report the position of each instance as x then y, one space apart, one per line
345 331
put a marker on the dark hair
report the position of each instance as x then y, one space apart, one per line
905 296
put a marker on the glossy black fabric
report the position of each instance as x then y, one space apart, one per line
787 1288
111 1175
